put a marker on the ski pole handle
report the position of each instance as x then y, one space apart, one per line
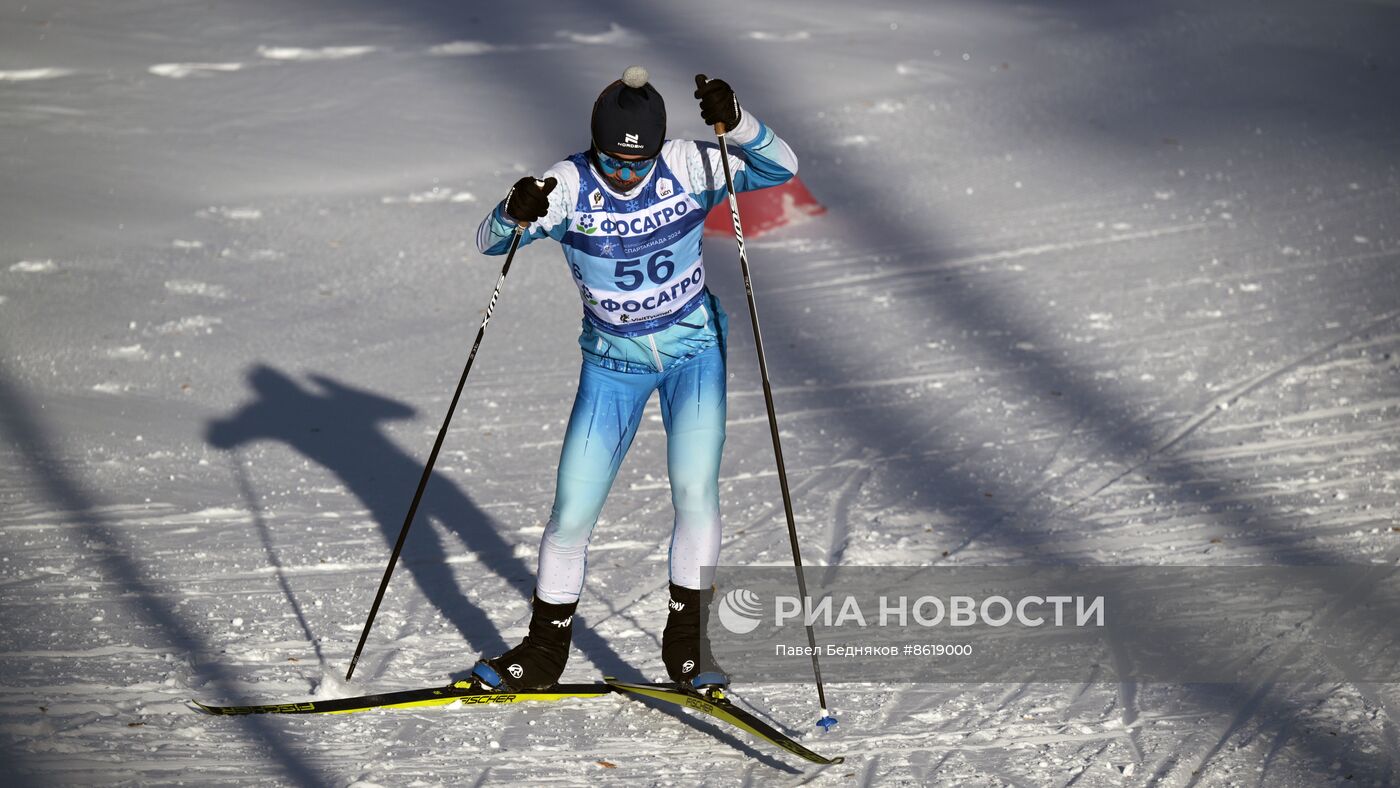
521 227
700 81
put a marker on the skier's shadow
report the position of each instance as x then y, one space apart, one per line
339 427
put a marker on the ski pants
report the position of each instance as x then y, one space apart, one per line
604 420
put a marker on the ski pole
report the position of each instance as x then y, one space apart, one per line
432 458
827 720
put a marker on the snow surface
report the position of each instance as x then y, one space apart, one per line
1099 284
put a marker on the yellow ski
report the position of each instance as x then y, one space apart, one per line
719 707
463 692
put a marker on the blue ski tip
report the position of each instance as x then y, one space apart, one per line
826 723
487 674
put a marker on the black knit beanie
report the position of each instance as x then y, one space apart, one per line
629 116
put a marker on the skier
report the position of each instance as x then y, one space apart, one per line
629 213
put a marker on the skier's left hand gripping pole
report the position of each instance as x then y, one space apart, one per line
437 445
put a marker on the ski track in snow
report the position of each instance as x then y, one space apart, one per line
34 267
306 54
32 74
615 35
183 70
458 48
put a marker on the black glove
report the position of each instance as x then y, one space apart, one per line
528 199
717 102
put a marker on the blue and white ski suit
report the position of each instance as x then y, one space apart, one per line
649 323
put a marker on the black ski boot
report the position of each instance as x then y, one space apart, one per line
538 662
685 645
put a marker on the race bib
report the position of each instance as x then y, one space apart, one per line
650 288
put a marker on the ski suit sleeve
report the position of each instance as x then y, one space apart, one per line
493 236
758 158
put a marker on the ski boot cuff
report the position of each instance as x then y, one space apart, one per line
551 611
689 599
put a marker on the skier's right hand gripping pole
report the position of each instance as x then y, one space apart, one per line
528 200
720 108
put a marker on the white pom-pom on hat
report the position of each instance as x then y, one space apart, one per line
635 77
